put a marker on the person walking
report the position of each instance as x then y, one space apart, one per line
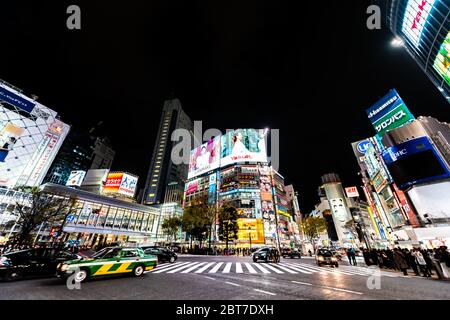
421 263
400 261
352 256
411 259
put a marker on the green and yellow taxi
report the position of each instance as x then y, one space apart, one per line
108 261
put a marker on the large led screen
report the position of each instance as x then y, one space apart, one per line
416 15
204 158
442 62
432 199
243 145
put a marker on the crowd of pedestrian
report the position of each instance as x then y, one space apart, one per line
422 262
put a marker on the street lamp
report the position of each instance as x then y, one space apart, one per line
397 42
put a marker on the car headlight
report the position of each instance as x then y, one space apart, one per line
334 259
320 258
64 267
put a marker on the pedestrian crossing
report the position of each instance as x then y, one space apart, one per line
266 268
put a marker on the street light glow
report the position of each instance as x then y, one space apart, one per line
397 42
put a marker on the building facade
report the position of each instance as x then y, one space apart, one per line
424 27
163 171
30 136
81 151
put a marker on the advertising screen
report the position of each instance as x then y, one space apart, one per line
204 158
113 182
442 62
432 199
9 134
250 230
192 186
16 100
128 185
388 113
416 15
414 161
352 192
243 145
75 178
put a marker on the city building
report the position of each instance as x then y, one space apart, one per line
233 169
31 135
81 151
93 220
424 29
163 171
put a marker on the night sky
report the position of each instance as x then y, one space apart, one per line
310 70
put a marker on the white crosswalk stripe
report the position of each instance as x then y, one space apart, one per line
216 267
265 268
183 267
296 268
260 267
227 267
193 268
171 267
250 268
204 267
284 268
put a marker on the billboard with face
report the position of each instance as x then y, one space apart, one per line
243 145
442 62
204 158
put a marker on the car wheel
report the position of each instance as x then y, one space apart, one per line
13 275
81 275
138 270
336 265
255 260
172 259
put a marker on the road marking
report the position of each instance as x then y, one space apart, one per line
266 292
250 268
164 266
239 268
209 278
216 267
303 283
233 284
272 268
171 267
227 267
192 268
284 268
304 267
264 270
296 269
183 267
205 267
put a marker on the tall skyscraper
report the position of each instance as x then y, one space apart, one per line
81 151
424 28
162 170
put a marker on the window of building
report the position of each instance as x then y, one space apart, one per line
111 215
119 218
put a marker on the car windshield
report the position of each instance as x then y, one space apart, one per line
263 250
325 253
106 253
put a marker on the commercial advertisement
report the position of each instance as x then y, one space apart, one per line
352 192
442 61
432 201
75 178
416 16
204 158
120 183
9 134
250 230
413 162
14 99
243 145
212 188
192 186
388 113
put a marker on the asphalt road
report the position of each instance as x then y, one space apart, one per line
238 278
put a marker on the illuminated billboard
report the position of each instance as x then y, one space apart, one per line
243 145
120 183
75 178
388 113
9 134
250 230
442 62
415 18
204 158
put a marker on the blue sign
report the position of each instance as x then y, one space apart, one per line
16 100
405 149
363 146
3 155
383 106
70 218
